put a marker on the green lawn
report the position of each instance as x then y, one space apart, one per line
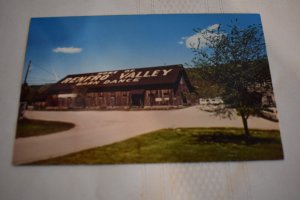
182 145
29 127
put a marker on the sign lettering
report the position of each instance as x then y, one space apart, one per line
127 76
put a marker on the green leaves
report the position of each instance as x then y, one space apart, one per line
236 61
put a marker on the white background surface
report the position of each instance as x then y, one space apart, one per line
241 180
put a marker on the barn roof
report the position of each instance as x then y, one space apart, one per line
136 78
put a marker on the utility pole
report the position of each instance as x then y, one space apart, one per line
25 90
28 66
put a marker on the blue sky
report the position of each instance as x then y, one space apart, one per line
59 46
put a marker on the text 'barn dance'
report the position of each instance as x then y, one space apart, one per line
164 86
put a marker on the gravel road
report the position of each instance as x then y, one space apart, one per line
97 128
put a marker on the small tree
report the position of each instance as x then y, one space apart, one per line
236 60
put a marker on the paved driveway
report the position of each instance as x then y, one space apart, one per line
97 128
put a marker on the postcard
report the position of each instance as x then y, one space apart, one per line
163 88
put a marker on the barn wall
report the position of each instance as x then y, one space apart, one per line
98 100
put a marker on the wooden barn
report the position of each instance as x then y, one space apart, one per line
163 86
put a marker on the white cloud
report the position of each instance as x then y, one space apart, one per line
199 40
68 50
213 27
180 42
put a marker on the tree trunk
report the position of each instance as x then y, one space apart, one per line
245 123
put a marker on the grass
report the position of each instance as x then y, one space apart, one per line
182 145
29 127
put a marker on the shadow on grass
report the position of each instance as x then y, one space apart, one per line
219 137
